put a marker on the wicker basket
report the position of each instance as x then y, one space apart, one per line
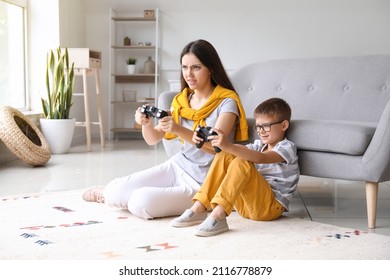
23 137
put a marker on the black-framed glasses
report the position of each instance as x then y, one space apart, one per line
266 126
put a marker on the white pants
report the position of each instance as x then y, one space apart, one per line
161 191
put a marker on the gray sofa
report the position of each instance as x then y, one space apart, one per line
341 114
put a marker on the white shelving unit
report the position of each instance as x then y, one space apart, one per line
143 32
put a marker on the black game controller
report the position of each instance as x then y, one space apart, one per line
204 132
154 112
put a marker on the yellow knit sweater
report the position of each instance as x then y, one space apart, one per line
182 108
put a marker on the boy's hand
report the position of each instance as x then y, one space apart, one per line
219 140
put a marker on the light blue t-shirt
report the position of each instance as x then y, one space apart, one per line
283 177
194 161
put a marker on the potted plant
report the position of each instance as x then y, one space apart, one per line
131 61
56 125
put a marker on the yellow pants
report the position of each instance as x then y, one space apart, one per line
235 183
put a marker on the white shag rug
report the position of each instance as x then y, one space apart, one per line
61 226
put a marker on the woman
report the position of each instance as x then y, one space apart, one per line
207 98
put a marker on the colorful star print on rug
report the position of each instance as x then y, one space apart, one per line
347 234
157 247
63 209
61 225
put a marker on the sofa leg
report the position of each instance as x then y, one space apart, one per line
372 200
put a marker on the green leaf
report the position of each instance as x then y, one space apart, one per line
59 85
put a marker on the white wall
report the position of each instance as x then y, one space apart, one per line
72 23
43 34
243 31
251 30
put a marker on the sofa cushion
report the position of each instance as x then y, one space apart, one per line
333 136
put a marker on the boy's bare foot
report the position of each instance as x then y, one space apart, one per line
198 207
218 213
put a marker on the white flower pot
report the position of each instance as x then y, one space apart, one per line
131 69
58 133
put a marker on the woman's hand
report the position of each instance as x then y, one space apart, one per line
152 134
141 118
195 138
167 124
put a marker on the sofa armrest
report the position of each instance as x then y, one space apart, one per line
165 99
376 159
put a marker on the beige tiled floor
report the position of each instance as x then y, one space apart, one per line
341 203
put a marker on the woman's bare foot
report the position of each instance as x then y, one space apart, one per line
94 194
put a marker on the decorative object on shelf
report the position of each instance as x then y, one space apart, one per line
127 41
149 13
131 65
129 95
57 127
140 44
148 44
149 66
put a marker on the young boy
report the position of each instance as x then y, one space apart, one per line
257 180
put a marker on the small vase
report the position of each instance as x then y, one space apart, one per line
127 41
130 69
149 66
